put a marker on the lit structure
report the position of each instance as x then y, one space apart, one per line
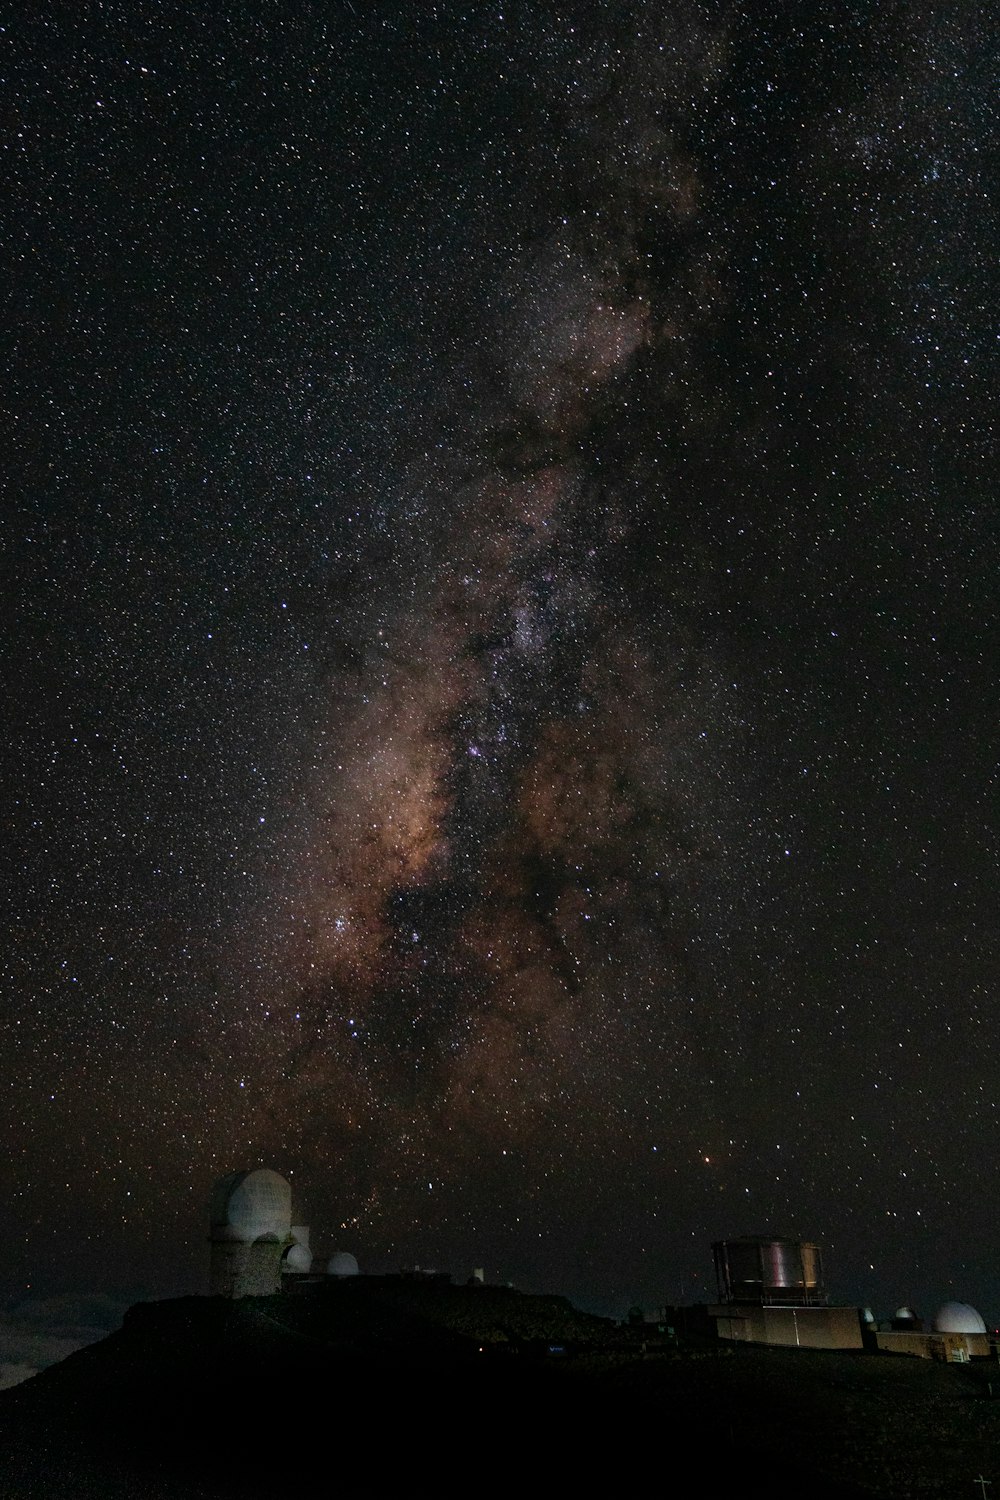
256 1250
298 1257
771 1291
958 1317
757 1269
250 1233
342 1264
956 1335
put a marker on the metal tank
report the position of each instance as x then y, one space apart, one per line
764 1269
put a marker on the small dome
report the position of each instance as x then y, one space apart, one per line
958 1317
905 1315
249 1206
342 1264
298 1258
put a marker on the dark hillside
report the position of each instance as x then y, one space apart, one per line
388 1383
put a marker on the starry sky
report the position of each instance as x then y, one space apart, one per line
500 637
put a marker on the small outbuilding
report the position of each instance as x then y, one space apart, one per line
957 1334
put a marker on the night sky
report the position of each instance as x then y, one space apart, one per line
500 637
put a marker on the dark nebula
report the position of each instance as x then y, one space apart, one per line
501 637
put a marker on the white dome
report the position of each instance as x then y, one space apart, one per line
298 1258
958 1317
249 1206
342 1264
905 1314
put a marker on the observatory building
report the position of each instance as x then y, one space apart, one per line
342 1264
957 1334
252 1235
256 1250
771 1291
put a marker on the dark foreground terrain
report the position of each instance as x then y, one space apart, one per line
378 1385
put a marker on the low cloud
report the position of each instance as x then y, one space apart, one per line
38 1333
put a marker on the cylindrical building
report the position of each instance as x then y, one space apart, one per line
765 1269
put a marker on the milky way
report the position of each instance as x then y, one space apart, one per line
502 580
488 930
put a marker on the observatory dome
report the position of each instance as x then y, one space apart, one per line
249 1206
342 1264
958 1317
298 1258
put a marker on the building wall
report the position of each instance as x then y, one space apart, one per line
952 1347
238 1270
790 1327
